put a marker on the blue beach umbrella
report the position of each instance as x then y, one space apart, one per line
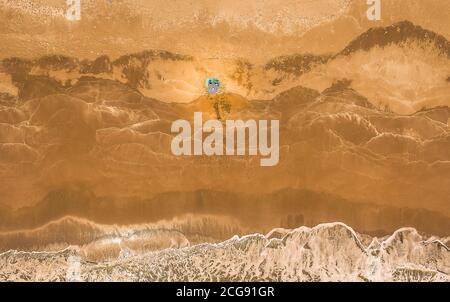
212 85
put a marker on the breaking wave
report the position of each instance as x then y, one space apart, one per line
101 242
327 252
